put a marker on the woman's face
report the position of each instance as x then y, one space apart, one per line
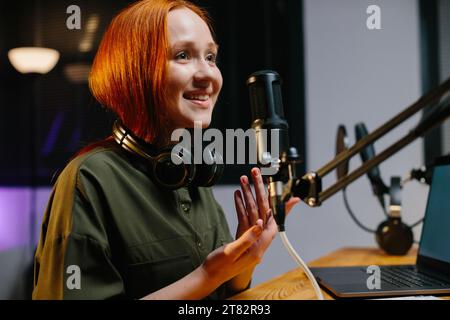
193 79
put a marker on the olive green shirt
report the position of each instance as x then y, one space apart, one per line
110 232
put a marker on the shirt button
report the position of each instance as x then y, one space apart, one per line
185 207
199 244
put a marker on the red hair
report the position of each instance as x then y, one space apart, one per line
129 71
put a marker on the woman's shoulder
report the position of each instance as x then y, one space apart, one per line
96 161
98 157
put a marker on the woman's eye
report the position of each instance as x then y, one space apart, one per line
211 57
182 56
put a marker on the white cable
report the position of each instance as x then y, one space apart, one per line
302 265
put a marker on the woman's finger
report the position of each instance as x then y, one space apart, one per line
243 223
291 203
236 248
250 204
268 234
261 194
255 252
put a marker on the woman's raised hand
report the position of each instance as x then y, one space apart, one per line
249 209
256 230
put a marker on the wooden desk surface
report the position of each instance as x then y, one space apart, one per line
294 285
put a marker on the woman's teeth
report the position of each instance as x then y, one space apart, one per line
195 97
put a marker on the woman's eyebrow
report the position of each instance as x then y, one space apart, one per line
191 44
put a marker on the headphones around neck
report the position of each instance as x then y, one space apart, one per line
165 172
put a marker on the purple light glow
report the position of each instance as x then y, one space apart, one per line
15 222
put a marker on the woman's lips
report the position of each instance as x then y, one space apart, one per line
201 100
200 103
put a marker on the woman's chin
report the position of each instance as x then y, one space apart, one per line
200 123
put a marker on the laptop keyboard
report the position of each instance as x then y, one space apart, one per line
410 276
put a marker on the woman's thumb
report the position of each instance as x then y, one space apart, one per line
248 238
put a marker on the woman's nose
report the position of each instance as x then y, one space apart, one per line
204 73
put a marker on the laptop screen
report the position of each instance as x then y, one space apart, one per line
435 239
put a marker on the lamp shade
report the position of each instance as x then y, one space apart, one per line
33 59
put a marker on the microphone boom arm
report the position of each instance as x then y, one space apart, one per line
309 187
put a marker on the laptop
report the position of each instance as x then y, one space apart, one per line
431 273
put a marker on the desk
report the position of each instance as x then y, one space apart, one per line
294 285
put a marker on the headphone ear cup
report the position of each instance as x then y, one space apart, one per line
394 237
210 170
170 175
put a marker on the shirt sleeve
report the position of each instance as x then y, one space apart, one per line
73 259
89 272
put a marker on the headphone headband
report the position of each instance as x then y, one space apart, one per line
165 172
125 139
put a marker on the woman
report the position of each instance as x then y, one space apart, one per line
109 230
